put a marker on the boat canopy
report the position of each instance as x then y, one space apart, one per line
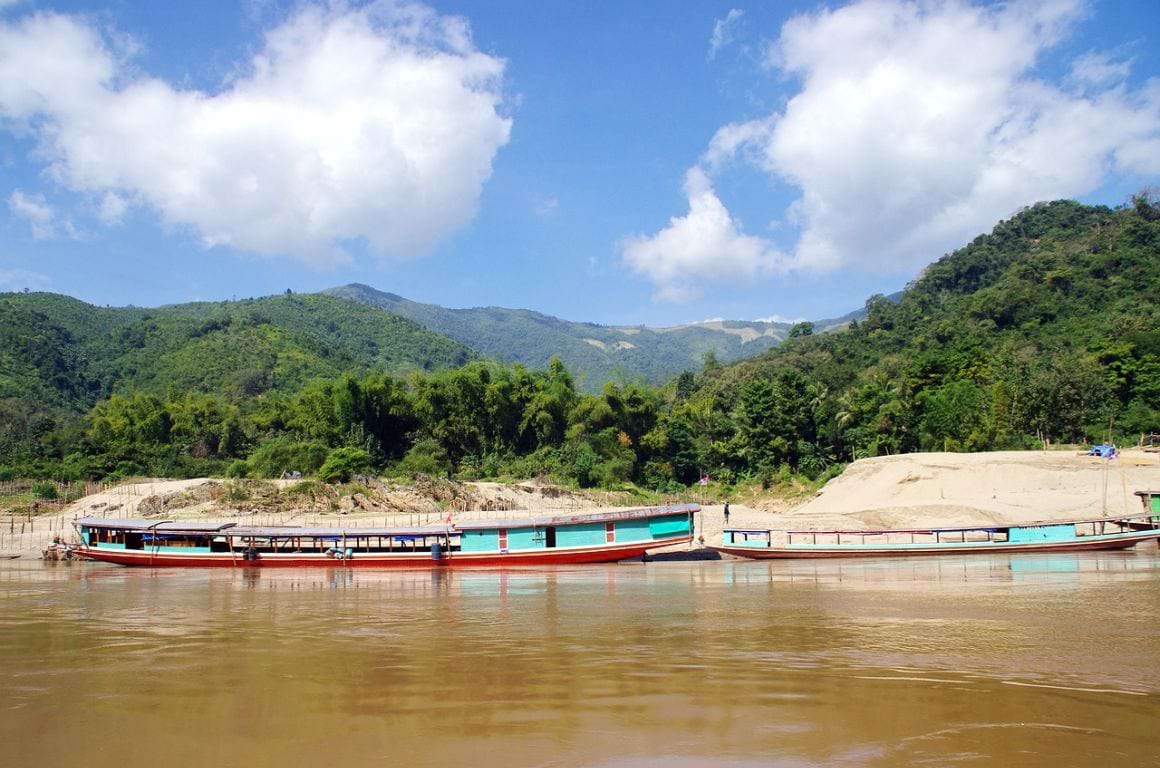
641 513
233 530
163 526
290 532
963 529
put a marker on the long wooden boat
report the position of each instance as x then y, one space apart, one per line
552 540
1063 536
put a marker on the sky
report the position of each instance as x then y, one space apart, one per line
621 163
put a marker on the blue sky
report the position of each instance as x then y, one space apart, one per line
651 163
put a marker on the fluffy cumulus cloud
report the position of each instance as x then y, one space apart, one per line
377 123
917 125
704 244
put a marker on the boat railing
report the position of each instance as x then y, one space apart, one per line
758 537
932 536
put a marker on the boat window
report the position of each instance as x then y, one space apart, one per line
551 536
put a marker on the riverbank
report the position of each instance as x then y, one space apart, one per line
907 491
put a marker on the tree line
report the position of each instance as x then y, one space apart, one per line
1044 329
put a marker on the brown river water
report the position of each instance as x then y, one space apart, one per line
1033 660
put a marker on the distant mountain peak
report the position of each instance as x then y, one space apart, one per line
596 352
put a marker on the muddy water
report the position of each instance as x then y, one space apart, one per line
1011 661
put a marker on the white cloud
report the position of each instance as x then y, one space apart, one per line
918 125
44 220
734 138
1096 68
775 318
724 30
705 244
378 123
19 279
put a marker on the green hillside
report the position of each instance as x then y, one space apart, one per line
1045 328
63 352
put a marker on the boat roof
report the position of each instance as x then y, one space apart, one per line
294 532
142 524
641 513
287 531
966 528
1148 493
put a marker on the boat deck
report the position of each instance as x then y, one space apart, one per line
1045 536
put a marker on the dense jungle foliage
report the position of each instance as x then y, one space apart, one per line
1045 328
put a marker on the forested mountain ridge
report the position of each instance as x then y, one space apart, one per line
59 351
594 353
1044 328
1048 326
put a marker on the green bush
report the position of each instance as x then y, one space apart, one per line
75 467
238 469
303 488
344 463
426 457
7 473
127 469
45 491
284 454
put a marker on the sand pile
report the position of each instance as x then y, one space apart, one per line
927 489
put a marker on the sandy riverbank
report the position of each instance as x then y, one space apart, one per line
291 502
908 491
947 489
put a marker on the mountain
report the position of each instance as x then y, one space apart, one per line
1043 329
1046 327
61 351
595 353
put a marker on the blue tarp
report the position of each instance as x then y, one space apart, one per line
1103 450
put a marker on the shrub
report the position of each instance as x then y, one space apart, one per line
426 457
238 492
237 469
45 491
127 469
343 463
303 488
284 454
75 467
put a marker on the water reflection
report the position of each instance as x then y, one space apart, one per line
1023 659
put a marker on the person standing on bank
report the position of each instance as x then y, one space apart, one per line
727 513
